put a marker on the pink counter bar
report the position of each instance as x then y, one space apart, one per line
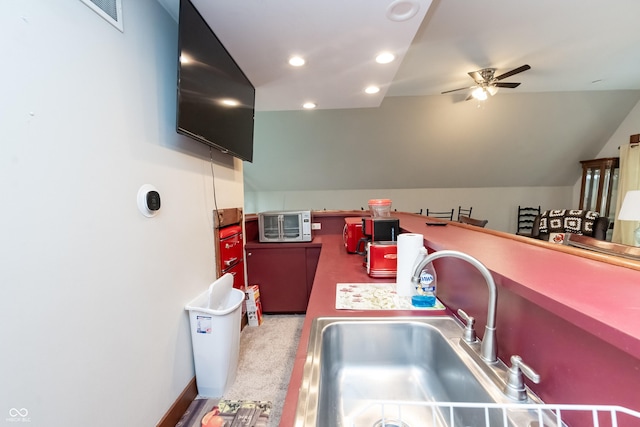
573 315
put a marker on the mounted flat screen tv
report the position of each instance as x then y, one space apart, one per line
216 101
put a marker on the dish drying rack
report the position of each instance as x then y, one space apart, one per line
389 414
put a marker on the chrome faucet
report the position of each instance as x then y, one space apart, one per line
514 386
488 350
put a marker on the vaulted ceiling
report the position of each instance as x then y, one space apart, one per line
584 80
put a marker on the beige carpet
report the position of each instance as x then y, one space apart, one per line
267 353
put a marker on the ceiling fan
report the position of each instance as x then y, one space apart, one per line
487 83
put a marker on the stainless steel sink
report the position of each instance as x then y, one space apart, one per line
382 371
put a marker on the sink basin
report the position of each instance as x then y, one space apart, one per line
384 371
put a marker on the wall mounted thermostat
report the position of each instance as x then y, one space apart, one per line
148 200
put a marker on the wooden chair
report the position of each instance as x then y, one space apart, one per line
441 214
465 212
472 221
526 216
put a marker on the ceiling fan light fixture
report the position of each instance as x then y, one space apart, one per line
480 94
487 83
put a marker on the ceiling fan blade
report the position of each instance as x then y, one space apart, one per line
512 72
507 85
455 90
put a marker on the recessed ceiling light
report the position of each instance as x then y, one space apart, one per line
385 58
296 61
309 105
372 89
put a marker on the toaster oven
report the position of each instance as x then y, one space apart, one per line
285 226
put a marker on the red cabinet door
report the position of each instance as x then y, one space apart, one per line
281 274
237 270
231 246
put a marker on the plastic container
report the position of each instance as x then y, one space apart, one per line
215 334
380 207
426 289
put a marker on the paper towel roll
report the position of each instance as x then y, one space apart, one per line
409 245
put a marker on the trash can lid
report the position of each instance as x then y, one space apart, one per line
219 292
220 299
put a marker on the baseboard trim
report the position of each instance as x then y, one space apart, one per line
179 407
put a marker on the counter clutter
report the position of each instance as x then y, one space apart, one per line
549 298
376 296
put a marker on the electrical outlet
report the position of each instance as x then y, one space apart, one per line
316 226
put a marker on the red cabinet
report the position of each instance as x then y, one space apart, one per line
285 274
230 251
237 270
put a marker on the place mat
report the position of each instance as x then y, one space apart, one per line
375 296
249 413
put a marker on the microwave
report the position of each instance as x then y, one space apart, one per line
285 226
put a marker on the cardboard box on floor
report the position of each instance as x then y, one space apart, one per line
254 315
253 305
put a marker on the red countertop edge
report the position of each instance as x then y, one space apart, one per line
569 282
335 266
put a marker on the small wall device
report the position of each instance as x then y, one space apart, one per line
148 200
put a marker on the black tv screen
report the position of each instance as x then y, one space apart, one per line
215 98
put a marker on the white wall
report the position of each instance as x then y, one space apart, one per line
629 126
92 293
498 205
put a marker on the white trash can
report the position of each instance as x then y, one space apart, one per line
215 335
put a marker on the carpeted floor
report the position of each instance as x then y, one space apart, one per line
267 353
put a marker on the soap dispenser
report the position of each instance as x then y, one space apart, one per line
425 295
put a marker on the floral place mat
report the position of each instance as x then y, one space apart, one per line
375 296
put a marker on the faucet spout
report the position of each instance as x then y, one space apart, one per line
488 348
